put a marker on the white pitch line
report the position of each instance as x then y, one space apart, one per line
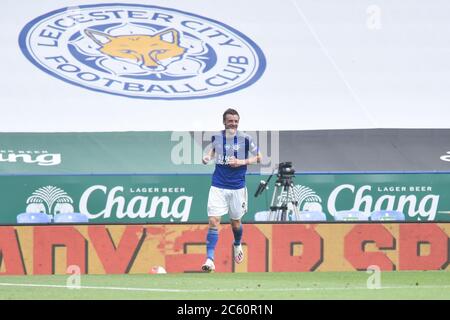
334 64
219 290
88 287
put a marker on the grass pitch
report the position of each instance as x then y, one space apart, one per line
230 286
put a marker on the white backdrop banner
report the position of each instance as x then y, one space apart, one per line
88 66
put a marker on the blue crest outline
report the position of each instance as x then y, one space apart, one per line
261 58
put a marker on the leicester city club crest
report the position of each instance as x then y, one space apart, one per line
142 51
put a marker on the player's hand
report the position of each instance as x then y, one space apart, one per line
233 162
206 159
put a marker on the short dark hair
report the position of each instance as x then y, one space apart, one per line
230 111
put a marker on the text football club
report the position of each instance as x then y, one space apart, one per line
142 51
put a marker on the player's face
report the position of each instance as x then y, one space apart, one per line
231 123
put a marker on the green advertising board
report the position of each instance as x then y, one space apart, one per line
181 198
102 152
158 177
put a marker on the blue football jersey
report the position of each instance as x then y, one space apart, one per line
238 146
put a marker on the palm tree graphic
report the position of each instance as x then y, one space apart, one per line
49 195
300 194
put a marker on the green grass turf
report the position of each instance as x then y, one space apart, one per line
234 286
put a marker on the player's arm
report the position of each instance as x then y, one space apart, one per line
255 159
210 155
252 148
244 162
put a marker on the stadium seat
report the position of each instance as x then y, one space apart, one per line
32 218
387 215
310 216
274 216
262 216
71 218
351 216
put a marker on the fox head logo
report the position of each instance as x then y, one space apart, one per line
142 51
149 52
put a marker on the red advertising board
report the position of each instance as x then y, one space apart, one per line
137 249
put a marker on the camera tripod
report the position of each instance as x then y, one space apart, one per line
283 195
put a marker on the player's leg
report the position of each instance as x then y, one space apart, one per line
236 226
238 207
211 241
217 207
